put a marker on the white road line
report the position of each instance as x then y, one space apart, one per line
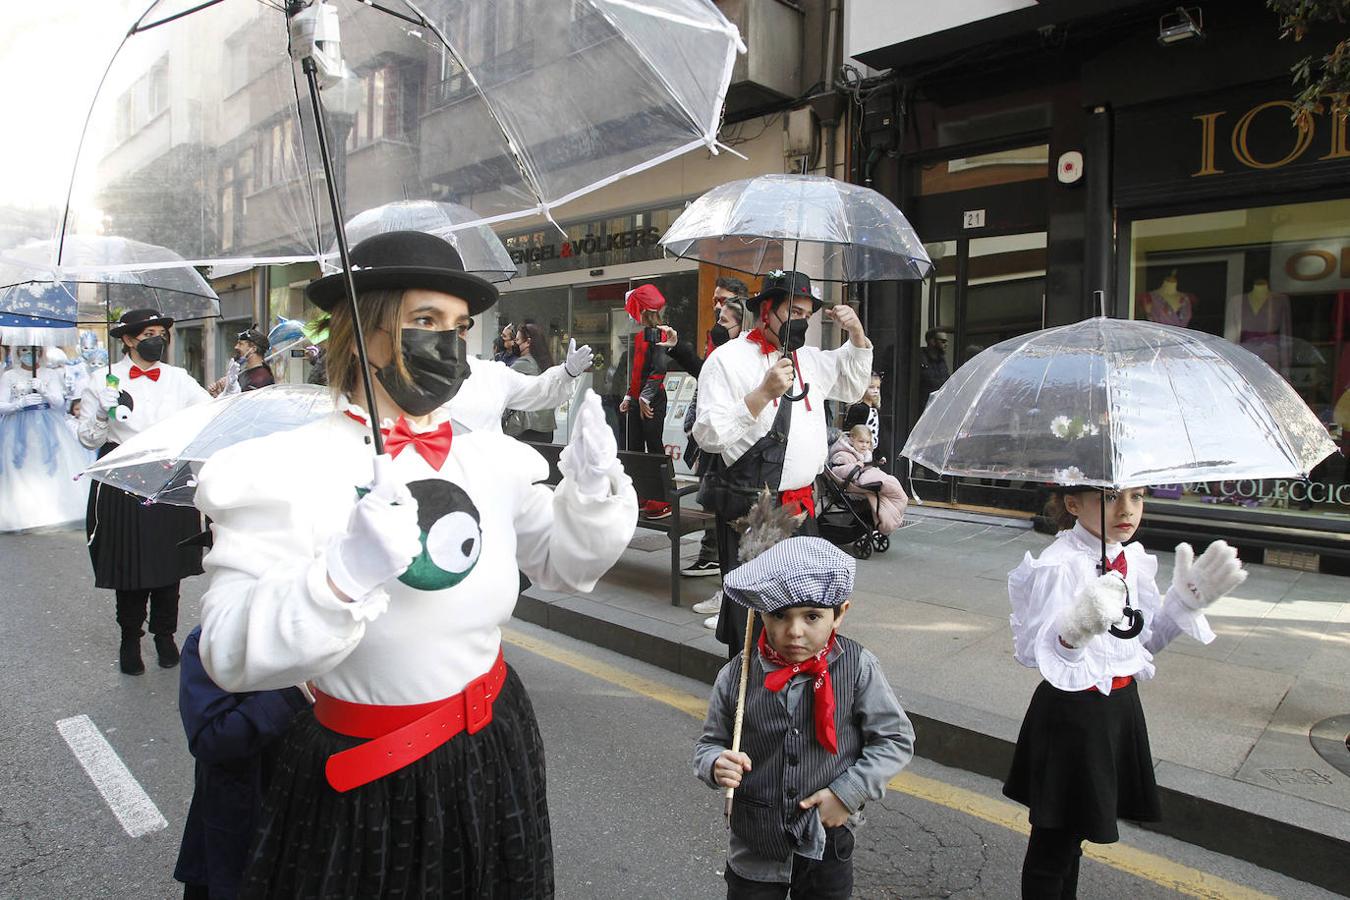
123 793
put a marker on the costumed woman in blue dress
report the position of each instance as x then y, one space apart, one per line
385 580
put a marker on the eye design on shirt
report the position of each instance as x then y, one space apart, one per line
452 538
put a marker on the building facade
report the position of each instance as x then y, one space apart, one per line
1061 160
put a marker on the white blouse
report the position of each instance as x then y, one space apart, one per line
269 618
724 424
1041 588
151 401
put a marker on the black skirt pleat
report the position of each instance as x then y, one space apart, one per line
1083 761
134 546
469 819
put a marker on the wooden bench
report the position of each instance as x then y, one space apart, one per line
653 477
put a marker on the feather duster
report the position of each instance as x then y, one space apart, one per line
764 525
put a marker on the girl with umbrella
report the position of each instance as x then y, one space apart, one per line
1082 759
135 548
384 580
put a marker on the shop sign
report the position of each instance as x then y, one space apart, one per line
1316 267
1252 491
1252 149
583 249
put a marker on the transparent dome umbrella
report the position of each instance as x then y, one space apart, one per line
236 131
161 463
825 228
1116 404
479 247
100 274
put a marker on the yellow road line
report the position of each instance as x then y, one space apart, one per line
1139 863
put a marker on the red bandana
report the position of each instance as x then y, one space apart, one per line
1118 565
818 666
138 372
433 446
754 336
639 361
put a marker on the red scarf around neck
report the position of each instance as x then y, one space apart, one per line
818 666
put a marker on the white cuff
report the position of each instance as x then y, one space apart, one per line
364 609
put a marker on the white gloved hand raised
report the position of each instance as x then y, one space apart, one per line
1098 606
108 398
1196 583
382 537
592 453
578 358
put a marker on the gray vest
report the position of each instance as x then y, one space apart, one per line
789 763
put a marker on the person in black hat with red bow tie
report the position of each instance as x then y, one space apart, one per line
134 547
385 580
761 436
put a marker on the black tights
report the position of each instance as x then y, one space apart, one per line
1050 869
163 603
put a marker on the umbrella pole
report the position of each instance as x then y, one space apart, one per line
1103 531
740 702
335 205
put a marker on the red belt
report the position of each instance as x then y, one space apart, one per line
803 497
1117 682
401 735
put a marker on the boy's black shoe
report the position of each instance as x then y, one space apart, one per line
167 651
700 567
129 657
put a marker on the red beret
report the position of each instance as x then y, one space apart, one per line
641 299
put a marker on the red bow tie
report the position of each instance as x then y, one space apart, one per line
819 666
152 374
761 341
433 446
1118 565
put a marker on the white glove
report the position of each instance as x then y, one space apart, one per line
592 453
1099 606
382 536
578 358
107 399
32 401
1196 583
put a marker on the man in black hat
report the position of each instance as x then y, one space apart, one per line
761 409
135 548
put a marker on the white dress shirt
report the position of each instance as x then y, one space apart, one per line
1042 588
269 618
724 424
152 400
492 388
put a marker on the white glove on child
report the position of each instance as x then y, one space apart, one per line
592 453
578 358
108 398
33 401
1099 606
382 536
1196 583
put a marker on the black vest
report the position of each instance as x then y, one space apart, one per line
789 763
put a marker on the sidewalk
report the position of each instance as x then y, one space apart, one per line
1229 723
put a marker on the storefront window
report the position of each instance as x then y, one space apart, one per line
1275 280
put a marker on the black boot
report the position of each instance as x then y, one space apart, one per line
167 651
129 656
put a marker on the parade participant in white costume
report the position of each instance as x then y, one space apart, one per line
39 456
135 548
385 580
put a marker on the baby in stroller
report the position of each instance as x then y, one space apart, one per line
852 468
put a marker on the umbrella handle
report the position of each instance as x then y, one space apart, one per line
740 702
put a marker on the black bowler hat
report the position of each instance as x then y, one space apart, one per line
134 321
406 259
779 284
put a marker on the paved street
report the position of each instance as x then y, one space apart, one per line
629 819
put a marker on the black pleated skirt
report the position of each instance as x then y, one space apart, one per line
1083 761
133 546
468 820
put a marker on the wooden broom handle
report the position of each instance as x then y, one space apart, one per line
740 702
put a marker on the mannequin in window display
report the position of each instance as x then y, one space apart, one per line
1167 305
1260 321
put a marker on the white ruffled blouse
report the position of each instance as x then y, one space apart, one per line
1042 588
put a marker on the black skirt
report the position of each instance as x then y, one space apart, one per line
135 547
1082 762
470 819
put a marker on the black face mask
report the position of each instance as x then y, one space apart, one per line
436 362
720 334
792 335
152 349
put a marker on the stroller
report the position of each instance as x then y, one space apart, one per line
846 519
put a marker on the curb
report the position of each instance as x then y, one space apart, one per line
1237 819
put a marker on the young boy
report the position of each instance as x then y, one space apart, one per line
822 732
